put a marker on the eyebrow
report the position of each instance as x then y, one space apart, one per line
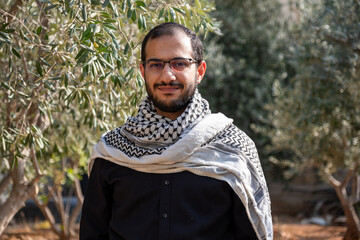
156 59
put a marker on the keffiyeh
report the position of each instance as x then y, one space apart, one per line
150 133
197 141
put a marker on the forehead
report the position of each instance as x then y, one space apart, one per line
169 46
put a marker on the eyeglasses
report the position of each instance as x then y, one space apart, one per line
177 64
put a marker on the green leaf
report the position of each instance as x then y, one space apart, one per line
84 13
110 21
161 13
15 52
179 10
87 48
40 142
129 73
5 38
83 57
103 60
39 30
106 2
45 62
3 26
14 163
106 15
81 52
166 15
39 69
50 7
87 34
24 36
114 9
110 25
140 4
129 13
5 85
116 44
66 79
133 16
4 35
172 14
140 24
95 2
127 46
123 6
22 94
10 30
49 86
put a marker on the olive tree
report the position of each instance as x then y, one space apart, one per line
244 61
69 73
316 114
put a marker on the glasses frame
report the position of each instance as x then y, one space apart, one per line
191 61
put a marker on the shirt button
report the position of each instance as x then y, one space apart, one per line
164 215
167 182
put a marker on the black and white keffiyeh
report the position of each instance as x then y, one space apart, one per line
150 133
197 141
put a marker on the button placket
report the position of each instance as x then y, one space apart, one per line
164 210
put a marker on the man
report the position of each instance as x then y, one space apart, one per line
175 171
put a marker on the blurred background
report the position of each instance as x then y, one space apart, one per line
286 71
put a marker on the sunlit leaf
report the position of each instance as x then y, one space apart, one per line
15 52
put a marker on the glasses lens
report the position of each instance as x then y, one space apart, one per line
155 65
179 64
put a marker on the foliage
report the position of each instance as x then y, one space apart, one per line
316 114
244 61
69 73
75 62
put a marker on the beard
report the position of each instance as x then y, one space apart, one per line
174 105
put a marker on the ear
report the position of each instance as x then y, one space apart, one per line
201 69
142 70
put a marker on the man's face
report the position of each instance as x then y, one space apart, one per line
171 90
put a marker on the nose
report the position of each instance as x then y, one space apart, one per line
167 74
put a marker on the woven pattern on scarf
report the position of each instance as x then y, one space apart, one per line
234 137
148 126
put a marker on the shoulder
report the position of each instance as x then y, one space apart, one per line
234 137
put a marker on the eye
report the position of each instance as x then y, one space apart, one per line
179 64
155 65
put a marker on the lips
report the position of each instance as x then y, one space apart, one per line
168 88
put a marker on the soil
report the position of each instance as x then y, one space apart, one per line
282 231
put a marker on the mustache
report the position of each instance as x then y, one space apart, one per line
170 84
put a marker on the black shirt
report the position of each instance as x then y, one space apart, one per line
121 203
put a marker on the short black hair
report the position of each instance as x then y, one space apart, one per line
170 28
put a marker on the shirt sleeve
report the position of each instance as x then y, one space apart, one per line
243 228
96 210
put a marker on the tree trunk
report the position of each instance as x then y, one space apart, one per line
19 194
352 220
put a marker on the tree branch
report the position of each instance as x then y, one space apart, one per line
48 215
26 70
355 189
13 10
333 181
38 173
347 178
5 182
342 41
80 200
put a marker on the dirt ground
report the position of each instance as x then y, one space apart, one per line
282 231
